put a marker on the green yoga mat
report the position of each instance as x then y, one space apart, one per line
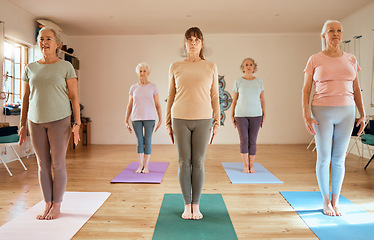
216 223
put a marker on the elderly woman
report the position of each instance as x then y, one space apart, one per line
192 103
49 84
337 91
248 112
142 101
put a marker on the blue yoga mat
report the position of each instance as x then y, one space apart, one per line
234 171
355 223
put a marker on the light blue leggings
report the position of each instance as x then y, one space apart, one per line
332 139
144 144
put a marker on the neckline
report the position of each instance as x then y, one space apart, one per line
249 79
333 57
59 60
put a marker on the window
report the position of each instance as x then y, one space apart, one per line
15 61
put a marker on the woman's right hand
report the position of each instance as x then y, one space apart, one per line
22 135
171 134
233 121
128 127
309 125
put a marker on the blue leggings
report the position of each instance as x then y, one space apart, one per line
332 139
144 140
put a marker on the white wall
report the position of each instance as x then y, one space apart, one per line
107 72
362 23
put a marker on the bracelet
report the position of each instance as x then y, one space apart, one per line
77 124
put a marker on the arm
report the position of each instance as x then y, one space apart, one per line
170 101
25 108
262 99
308 120
158 109
72 85
360 106
214 94
128 113
235 97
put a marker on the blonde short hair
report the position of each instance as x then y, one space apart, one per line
323 32
142 64
254 64
56 34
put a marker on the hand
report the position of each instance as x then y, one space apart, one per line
262 121
309 125
75 132
128 127
361 121
22 135
158 126
215 130
233 121
171 134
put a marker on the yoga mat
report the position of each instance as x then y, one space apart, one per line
355 223
216 223
234 171
155 175
76 209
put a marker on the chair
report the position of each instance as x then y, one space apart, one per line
311 142
357 138
10 141
368 139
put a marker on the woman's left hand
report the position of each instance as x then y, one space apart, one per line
158 126
361 121
75 132
215 130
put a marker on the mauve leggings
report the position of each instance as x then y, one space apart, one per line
50 141
248 128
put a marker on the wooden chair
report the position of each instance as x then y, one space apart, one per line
12 142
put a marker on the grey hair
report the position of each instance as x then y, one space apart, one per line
56 34
254 64
323 32
142 64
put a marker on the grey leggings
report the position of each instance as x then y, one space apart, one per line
50 142
192 138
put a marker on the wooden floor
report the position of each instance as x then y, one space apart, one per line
257 211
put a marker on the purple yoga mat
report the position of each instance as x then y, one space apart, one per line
155 175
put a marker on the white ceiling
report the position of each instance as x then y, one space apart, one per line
144 17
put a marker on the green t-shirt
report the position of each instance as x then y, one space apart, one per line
48 100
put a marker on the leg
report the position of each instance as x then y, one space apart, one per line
149 125
183 142
39 140
254 127
342 135
323 138
242 124
138 129
200 141
58 135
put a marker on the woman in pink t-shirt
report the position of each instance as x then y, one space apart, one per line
337 91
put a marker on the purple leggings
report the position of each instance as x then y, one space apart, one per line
248 128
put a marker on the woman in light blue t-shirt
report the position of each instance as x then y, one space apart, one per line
248 111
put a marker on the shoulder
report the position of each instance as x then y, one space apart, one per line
65 63
350 56
209 63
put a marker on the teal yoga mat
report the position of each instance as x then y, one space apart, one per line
355 223
215 225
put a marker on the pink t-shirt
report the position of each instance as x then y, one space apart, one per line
143 106
333 79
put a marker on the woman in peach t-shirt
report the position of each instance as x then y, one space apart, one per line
337 91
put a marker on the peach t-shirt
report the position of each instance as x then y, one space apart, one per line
193 91
333 79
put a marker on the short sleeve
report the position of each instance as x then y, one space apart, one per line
261 85
354 62
309 69
155 91
132 89
235 88
25 76
70 73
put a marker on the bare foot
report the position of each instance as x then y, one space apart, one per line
145 170
252 170
139 170
337 211
246 170
196 214
54 212
187 214
328 210
48 206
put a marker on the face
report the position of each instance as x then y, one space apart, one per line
47 42
143 72
333 34
193 45
248 66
